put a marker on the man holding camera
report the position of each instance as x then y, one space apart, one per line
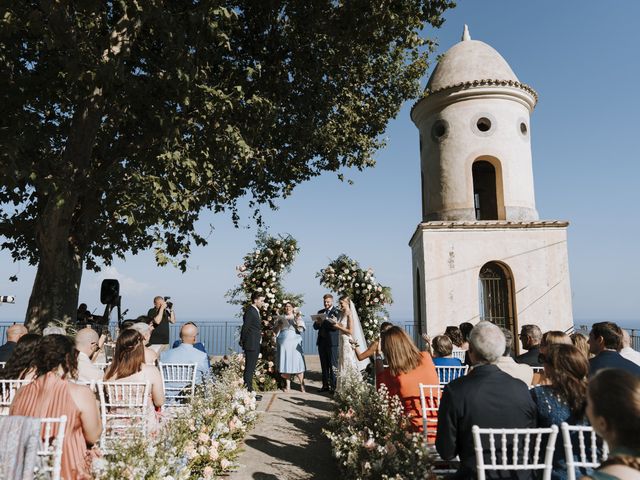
162 314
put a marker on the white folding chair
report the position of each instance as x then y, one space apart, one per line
459 354
50 450
598 450
8 389
429 403
511 457
2 365
179 382
449 373
102 365
124 410
538 369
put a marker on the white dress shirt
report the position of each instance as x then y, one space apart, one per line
87 371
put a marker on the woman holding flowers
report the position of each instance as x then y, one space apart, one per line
289 354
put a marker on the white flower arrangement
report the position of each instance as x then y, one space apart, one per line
200 442
370 436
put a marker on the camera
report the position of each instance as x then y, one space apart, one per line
7 299
169 304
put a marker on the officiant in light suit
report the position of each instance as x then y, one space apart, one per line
328 340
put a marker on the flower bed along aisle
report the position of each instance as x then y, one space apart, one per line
370 436
201 442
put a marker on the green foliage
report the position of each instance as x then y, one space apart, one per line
122 121
345 277
262 271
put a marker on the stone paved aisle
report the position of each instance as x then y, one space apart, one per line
288 442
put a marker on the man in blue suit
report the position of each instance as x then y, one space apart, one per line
328 338
605 342
187 353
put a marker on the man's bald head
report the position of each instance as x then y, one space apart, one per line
86 340
188 333
15 332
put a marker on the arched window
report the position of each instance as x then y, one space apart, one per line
496 296
485 199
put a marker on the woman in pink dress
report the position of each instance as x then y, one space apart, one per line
128 365
52 394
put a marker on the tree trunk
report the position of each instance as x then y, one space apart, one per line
54 297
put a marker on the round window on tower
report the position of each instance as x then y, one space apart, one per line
523 128
439 130
483 124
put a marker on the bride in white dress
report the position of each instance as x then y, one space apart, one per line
350 330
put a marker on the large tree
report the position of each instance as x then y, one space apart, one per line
122 120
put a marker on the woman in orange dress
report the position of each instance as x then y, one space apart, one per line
51 394
408 367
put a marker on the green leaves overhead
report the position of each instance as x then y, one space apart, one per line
125 120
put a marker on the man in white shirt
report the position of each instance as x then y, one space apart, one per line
507 364
628 352
87 344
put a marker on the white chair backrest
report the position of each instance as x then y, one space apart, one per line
2 365
51 440
449 373
519 449
538 369
459 354
591 451
179 381
8 389
429 404
101 365
123 408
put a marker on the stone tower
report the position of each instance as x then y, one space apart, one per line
481 252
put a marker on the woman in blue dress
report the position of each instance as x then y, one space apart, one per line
289 354
563 399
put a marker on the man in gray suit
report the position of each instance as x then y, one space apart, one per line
250 336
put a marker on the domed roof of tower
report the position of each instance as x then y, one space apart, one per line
470 61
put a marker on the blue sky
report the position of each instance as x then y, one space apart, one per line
578 55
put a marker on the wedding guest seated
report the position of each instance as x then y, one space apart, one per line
198 345
128 366
605 341
507 364
52 394
150 355
187 353
487 397
628 352
87 345
580 342
530 337
455 335
14 333
613 408
465 331
552 337
442 348
563 399
407 368
22 363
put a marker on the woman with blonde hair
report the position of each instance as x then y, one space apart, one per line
581 343
407 368
552 337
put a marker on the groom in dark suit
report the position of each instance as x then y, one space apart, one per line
328 338
250 336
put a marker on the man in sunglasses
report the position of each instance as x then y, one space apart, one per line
530 337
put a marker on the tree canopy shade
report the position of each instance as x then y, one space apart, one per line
121 121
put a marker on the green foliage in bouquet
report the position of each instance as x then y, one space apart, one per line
202 441
262 271
371 438
345 277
